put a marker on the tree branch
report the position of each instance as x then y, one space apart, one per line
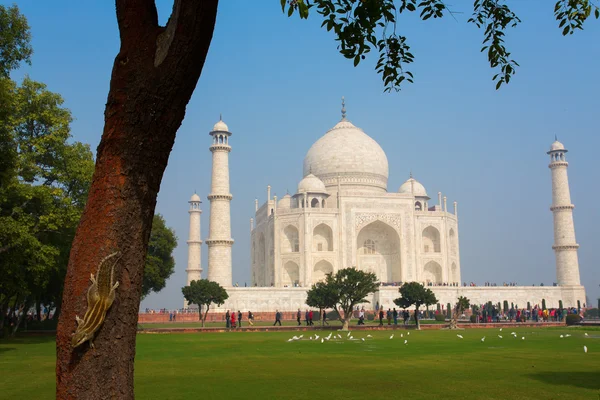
135 15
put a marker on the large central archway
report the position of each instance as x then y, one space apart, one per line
378 251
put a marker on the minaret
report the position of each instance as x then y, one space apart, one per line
565 246
194 268
219 237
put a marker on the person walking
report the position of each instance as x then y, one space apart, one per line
381 317
299 317
277 318
250 318
239 318
227 320
405 316
233 319
389 316
306 317
361 316
325 318
395 315
310 317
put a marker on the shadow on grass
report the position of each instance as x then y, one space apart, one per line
5 349
26 339
583 379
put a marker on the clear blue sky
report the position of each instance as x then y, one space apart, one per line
278 83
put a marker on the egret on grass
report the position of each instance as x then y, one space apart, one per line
585 334
459 336
523 338
585 349
363 339
322 340
483 339
561 336
405 341
500 336
391 337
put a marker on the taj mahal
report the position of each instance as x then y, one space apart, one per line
342 214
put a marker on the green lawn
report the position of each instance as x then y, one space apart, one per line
433 365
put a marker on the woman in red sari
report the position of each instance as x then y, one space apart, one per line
233 319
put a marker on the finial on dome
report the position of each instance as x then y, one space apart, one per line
343 109
410 174
220 117
555 137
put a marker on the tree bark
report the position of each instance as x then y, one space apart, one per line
205 313
152 80
417 318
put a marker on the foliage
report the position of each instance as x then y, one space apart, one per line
15 40
43 193
473 318
578 305
543 304
347 288
440 317
203 293
321 296
361 26
592 313
462 304
505 306
560 304
160 263
413 293
573 319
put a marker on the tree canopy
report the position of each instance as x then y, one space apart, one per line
364 25
15 40
160 263
415 294
204 293
343 291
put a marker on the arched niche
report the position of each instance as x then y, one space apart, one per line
322 238
378 251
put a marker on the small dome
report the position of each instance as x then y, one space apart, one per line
195 197
557 146
285 202
312 184
414 187
220 127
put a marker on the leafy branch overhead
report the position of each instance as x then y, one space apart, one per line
363 25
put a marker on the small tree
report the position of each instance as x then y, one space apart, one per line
322 296
505 306
528 306
461 305
543 304
449 310
413 293
578 306
560 304
204 292
349 287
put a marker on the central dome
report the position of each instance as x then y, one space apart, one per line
346 151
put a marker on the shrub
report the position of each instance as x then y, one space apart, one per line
543 304
449 310
528 306
505 306
370 316
440 317
560 304
573 319
473 318
578 305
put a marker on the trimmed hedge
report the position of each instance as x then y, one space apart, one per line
473 318
440 317
573 319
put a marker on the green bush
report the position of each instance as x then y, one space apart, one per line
370 316
560 304
573 319
440 317
473 318
543 304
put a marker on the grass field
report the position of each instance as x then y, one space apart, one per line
433 365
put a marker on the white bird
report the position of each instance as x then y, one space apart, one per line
391 337
300 337
339 336
363 339
310 338
290 340
585 334
348 334
351 337
567 335
316 337
561 336
513 333
322 340
405 341
408 333
329 336
401 335
459 336
483 339
585 349
295 337
523 338
500 329
372 336
500 336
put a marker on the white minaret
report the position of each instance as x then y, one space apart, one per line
194 268
219 237
565 246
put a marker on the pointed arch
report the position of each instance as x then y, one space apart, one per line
322 238
452 241
291 274
378 251
290 241
321 269
431 240
432 272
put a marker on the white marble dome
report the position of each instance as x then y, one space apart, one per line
285 202
312 184
413 186
220 127
345 151
195 197
557 146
